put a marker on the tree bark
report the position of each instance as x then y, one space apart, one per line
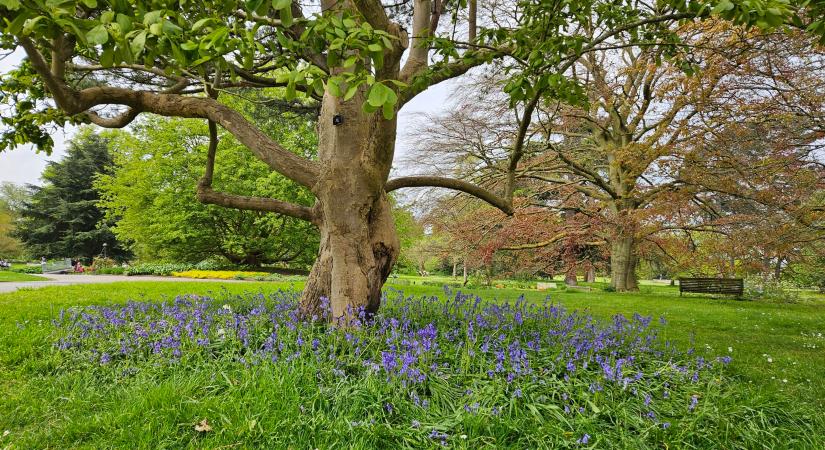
590 274
359 244
570 278
623 261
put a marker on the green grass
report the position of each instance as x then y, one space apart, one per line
6 275
43 405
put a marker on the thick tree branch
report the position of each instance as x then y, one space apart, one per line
374 12
283 161
417 59
207 195
451 183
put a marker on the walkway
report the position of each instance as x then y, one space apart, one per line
66 280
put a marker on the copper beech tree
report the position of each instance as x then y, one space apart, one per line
109 61
658 147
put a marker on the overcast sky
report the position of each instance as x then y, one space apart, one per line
24 165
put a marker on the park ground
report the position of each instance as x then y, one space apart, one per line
777 350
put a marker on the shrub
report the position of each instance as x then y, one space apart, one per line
759 288
163 269
110 271
26 269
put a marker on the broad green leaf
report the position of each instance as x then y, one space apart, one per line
388 110
125 23
97 35
378 95
200 23
151 17
138 43
281 4
351 90
107 57
90 3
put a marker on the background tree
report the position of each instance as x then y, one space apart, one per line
62 219
645 154
12 199
151 194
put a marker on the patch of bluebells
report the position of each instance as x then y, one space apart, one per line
520 350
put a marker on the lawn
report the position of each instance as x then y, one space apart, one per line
6 275
771 389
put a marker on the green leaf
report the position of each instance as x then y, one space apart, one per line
97 35
189 45
378 95
199 24
351 90
90 3
11 5
107 17
281 4
333 87
125 23
107 57
171 28
156 28
388 110
375 47
723 5
151 17
138 43
349 62
286 16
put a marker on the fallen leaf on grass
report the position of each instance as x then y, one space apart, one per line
203 426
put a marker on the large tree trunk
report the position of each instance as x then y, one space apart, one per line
570 278
359 245
590 274
623 264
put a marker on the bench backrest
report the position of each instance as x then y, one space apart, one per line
731 286
57 266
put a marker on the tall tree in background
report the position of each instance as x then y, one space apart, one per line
653 142
152 193
62 219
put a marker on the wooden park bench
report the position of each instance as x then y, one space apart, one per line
724 286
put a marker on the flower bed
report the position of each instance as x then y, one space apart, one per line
220 274
429 371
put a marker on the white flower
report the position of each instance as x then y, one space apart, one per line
227 307
221 332
784 380
6 433
730 349
770 360
463 436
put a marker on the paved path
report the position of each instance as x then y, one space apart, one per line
65 280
